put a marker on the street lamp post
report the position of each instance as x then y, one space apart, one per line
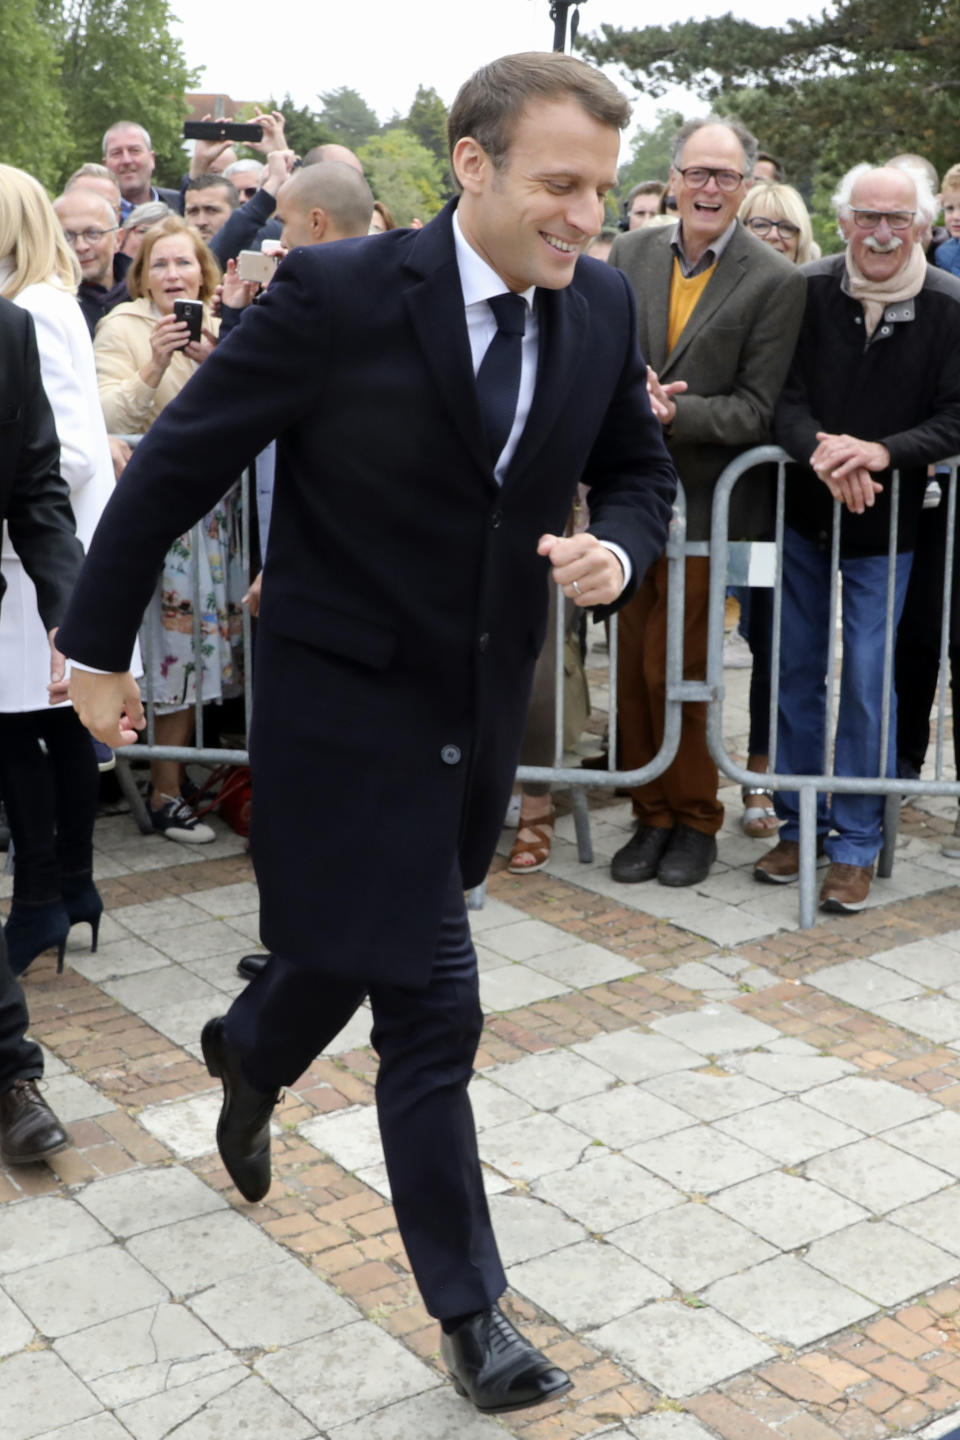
558 14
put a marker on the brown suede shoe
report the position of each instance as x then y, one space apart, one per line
782 864
846 888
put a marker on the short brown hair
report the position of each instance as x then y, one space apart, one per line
174 225
489 104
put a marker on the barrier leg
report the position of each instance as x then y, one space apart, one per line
808 857
138 806
581 822
891 824
477 896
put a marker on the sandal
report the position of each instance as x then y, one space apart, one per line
759 820
533 841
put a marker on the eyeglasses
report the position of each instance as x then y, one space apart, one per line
92 236
870 219
247 191
786 229
696 176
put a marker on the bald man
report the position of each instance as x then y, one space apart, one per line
323 203
339 153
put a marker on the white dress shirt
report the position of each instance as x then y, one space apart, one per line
479 281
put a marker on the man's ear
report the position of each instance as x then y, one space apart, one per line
318 224
471 164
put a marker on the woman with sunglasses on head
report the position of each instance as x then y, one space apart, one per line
776 215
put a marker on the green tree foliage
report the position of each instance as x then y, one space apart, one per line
33 119
120 60
303 128
863 81
348 116
650 151
404 175
427 120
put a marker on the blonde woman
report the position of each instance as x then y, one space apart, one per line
51 797
144 358
777 215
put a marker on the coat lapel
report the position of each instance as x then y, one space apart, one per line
727 275
654 301
436 311
562 320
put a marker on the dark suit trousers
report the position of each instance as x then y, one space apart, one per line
20 1058
686 793
426 1040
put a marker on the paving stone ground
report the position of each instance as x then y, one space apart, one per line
722 1154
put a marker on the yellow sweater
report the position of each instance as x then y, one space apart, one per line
684 295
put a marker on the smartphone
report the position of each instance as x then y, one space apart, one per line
192 312
220 130
254 265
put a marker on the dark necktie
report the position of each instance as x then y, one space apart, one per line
498 379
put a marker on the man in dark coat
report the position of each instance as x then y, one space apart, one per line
35 502
437 395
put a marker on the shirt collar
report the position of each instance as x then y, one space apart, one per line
715 248
478 280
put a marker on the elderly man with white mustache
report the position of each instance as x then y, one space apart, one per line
874 386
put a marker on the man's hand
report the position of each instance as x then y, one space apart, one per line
662 403
278 171
844 464
120 453
274 137
108 705
586 571
205 152
236 293
252 597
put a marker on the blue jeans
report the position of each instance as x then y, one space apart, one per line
857 820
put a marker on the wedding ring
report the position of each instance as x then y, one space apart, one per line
576 587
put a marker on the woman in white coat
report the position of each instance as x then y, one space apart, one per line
51 797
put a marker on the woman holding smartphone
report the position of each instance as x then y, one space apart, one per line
144 357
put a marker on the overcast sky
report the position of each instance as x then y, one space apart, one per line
386 48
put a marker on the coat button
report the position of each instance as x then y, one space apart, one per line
496 520
450 754
484 641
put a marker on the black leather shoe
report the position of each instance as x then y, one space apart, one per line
639 859
688 857
29 1130
250 966
492 1364
243 1130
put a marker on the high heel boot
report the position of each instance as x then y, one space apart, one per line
33 928
83 903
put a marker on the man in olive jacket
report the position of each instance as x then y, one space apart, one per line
718 314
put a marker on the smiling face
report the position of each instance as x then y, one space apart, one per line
173 272
83 212
131 162
531 219
706 213
879 253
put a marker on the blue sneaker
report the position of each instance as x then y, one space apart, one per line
106 760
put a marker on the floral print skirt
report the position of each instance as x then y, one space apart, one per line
204 577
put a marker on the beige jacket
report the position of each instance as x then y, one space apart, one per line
121 347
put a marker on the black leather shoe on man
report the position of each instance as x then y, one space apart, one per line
688 857
29 1130
250 966
243 1130
639 858
492 1364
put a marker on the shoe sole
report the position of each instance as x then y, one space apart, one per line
678 884
950 852
765 876
36 1156
832 906
507 1409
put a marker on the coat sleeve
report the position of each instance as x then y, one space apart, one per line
258 382
743 414
39 517
631 477
76 430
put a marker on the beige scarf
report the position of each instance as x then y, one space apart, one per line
875 295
